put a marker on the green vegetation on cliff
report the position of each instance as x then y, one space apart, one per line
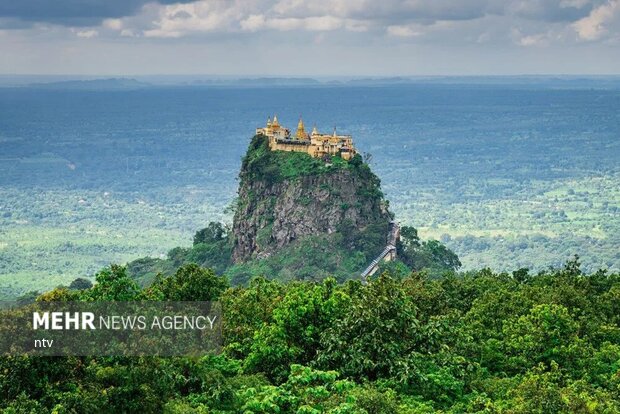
262 164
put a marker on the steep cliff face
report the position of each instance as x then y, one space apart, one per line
284 197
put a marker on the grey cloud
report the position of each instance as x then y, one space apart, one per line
71 12
380 12
182 15
389 10
398 11
552 10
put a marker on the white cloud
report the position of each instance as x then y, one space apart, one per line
164 34
128 33
533 40
253 23
404 31
203 17
323 23
313 24
113 24
87 34
596 25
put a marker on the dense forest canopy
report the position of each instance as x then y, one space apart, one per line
475 342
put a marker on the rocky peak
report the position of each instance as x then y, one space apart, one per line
286 196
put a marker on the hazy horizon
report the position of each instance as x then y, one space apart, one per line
33 79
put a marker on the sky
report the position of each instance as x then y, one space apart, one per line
319 38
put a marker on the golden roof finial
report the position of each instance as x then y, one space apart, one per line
314 130
301 132
275 121
268 121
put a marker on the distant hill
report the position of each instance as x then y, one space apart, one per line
255 82
523 81
94 84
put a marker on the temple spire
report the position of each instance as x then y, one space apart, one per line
301 132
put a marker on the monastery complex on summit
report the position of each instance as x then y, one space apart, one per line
316 144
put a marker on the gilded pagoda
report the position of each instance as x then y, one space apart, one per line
314 143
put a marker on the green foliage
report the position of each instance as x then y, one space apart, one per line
80 284
311 391
396 268
214 232
430 255
262 164
211 249
379 329
60 294
547 333
476 342
247 310
311 258
305 311
113 284
189 283
369 241
26 298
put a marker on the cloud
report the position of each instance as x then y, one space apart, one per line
404 31
343 13
540 39
113 24
550 10
72 12
317 24
253 22
86 34
392 11
395 18
598 23
538 22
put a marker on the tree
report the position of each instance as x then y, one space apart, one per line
409 237
306 310
547 334
247 310
374 335
80 284
27 298
214 232
440 256
113 284
311 391
432 254
191 283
